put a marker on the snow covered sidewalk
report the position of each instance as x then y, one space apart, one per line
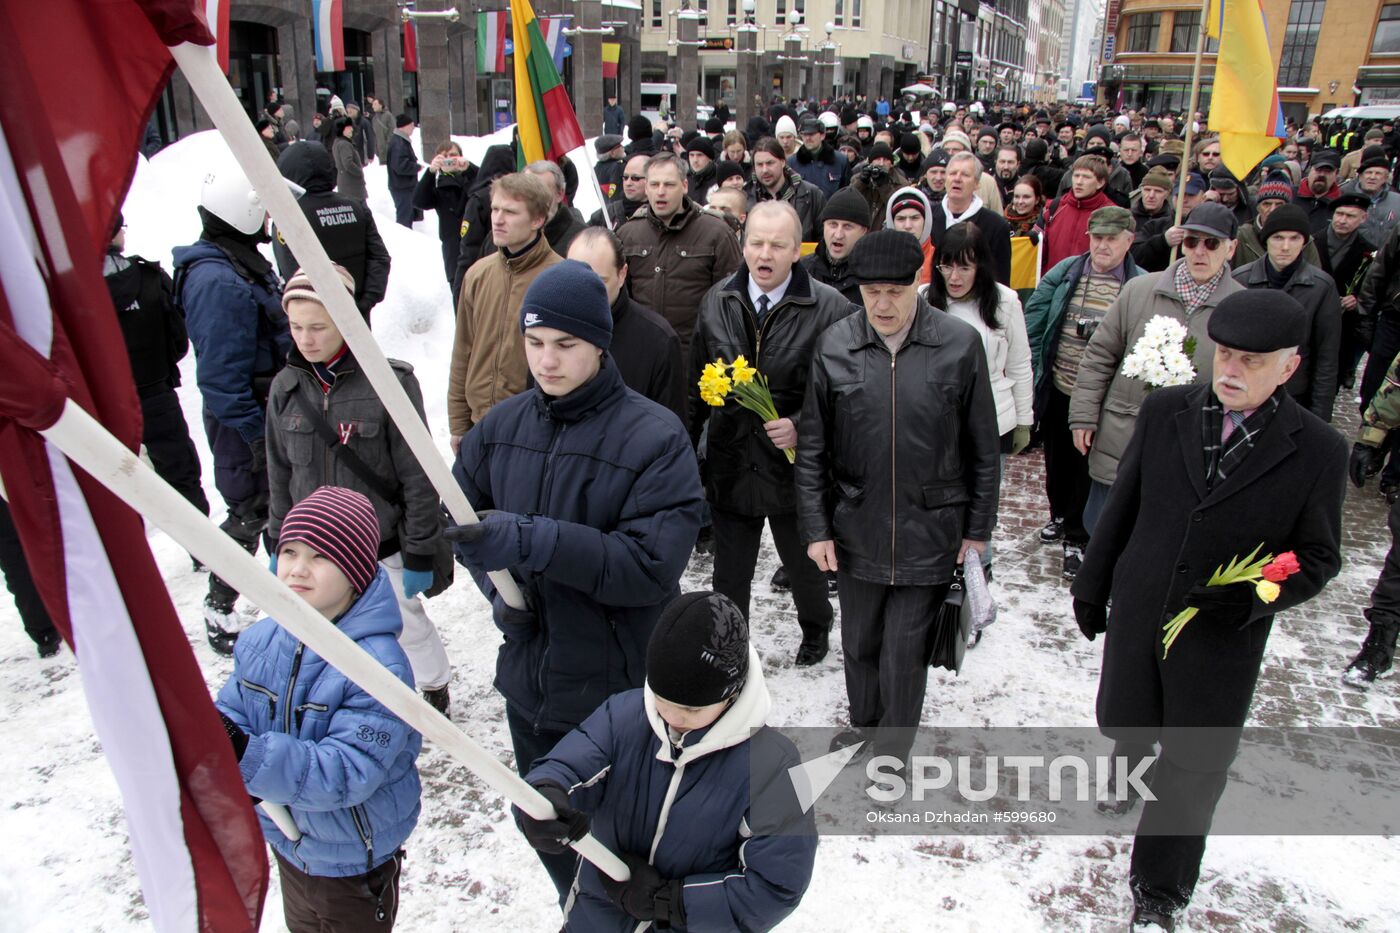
64 864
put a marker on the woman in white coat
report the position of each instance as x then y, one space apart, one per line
964 285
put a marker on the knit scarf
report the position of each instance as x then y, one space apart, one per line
1337 245
1224 457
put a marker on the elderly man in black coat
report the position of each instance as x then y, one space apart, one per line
1212 472
897 478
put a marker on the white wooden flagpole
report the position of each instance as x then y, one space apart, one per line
88 444
214 92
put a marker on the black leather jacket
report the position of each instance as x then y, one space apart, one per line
897 455
744 473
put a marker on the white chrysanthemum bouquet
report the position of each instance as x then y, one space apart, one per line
1162 356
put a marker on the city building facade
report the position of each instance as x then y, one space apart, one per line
1330 53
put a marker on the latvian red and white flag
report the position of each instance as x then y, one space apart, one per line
216 15
81 78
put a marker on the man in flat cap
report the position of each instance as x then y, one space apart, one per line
609 167
1282 267
1212 472
1105 401
1061 316
897 478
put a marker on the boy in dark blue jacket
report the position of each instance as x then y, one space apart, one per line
595 505
664 775
309 738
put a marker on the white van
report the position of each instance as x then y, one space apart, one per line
657 97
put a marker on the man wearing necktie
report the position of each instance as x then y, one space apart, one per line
1212 472
771 313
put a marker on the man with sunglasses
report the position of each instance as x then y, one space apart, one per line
634 194
1104 405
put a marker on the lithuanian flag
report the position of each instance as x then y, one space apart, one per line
545 120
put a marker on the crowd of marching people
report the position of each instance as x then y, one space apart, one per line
924 296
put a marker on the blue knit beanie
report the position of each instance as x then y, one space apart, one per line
570 297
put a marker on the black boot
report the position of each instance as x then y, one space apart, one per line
1373 662
439 698
780 580
1146 919
816 644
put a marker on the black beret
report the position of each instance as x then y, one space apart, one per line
1037 150
879 151
848 115
1352 199
1257 320
909 144
886 256
714 125
1007 126
1286 218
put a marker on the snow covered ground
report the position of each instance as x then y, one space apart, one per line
64 863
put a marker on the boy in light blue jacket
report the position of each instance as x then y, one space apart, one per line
312 740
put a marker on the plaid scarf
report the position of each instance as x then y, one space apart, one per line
1224 457
1194 294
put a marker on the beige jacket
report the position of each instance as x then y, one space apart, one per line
1107 402
488 357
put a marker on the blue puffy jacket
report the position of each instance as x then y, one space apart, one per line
690 803
616 473
239 332
318 743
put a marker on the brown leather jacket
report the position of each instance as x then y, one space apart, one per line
488 357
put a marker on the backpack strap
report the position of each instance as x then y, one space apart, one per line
348 457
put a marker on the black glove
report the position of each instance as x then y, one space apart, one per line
1092 619
1231 604
258 449
553 836
1365 461
236 736
647 896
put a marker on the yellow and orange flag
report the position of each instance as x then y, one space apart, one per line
1244 107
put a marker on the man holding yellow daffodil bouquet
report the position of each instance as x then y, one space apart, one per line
759 326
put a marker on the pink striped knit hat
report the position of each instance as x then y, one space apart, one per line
338 524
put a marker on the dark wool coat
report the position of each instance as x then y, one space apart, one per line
1161 533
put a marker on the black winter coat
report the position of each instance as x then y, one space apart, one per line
898 469
446 193
836 274
1150 249
345 227
805 198
1314 385
648 354
1350 263
1161 533
744 472
617 475
153 328
996 232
